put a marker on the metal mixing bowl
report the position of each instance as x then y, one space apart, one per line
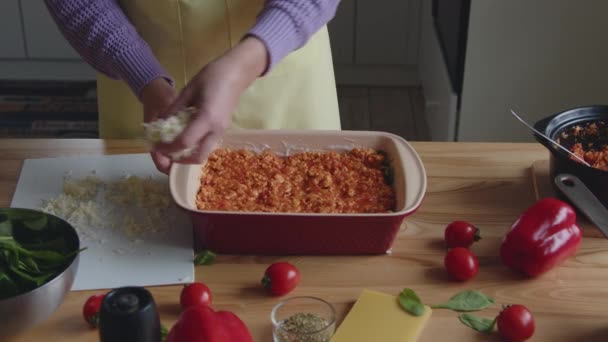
24 311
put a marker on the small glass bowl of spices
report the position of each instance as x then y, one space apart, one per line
303 319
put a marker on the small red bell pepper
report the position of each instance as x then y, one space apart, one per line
544 236
203 324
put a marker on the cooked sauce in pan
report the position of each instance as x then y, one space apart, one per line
589 142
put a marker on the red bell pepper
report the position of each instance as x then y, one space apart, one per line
544 236
203 324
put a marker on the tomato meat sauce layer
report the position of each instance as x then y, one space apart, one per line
306 182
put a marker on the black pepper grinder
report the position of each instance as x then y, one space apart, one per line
129 314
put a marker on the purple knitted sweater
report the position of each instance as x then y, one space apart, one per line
104 37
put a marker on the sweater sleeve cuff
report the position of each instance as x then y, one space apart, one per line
277 30
138 67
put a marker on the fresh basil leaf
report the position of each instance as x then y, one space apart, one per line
480 324
411 303
205 257
469 300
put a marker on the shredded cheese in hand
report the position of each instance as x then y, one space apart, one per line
166 130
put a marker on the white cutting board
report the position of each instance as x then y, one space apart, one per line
112 259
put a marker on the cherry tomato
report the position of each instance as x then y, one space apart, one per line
281 278
461 264
195 294
515 323
461 234
90 310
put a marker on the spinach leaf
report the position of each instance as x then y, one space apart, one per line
37 223
36 280
30 218
33 250
28 264
15 214
7 285
469 300
6 228
411 303
58 244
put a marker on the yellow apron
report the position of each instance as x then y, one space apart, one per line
185 35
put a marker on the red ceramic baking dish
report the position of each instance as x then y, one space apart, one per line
302 233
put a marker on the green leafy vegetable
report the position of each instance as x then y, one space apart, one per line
7 284
33 249
205 257
6 228
469 300
410 302
386 168
32 219
480 324
163 333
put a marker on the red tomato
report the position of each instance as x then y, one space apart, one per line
461 234
90 310
281 278
461 264
515 323
195 294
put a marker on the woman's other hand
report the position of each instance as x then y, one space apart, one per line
156 98
215 93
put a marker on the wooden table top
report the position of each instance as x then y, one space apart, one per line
488 184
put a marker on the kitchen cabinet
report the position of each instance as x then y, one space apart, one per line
373 43
43 38
376 42
11 30
33 47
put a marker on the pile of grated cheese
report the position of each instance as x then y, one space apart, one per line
166 130
132 205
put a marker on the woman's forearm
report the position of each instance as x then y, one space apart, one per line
101 33
286 25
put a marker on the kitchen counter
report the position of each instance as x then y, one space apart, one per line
488 184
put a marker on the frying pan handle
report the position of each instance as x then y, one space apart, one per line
584 199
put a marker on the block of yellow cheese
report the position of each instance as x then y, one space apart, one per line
378 317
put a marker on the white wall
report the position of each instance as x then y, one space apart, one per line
540 56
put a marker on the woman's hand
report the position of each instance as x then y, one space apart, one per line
156 98
215 93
